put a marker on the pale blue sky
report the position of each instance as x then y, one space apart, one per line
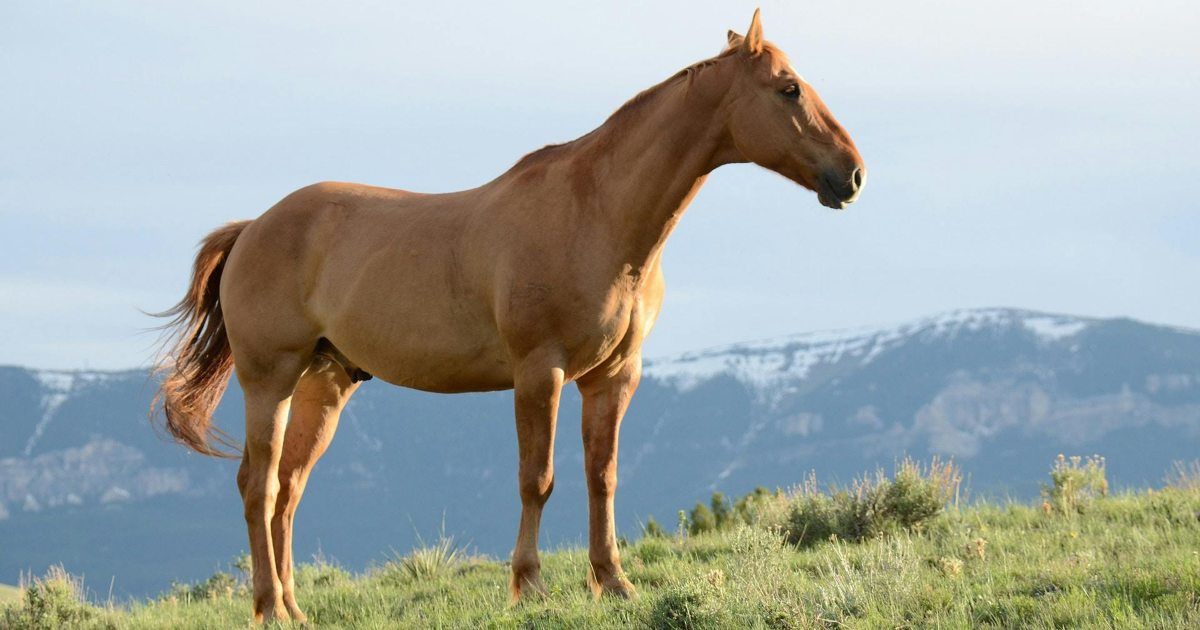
1032 154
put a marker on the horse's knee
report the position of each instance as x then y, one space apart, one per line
536 488
602 480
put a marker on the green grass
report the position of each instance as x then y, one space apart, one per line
1128 560
8 594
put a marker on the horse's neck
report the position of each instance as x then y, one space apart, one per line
648 165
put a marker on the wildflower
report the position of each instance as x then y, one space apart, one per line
976 549
950 567
716 578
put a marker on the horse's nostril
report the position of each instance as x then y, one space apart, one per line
856 178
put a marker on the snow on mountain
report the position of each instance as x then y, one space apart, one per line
767 363
57 387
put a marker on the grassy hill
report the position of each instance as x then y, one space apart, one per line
8 594
1082 558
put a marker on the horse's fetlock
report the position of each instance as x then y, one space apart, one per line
525 566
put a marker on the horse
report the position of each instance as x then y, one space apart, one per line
548 274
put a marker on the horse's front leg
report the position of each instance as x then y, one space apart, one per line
537 384
605 399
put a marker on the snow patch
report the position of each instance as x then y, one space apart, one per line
63 381
58 385
763 364
766 364
1052 328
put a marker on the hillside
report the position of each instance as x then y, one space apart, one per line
8 593
85 481
1126 561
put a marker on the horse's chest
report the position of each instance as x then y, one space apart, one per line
589 327
605 333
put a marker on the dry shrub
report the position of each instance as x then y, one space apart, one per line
1075 483
53 601
873 505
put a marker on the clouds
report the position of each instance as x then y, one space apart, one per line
1033 154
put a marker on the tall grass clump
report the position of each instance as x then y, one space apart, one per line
1184 476
876 580
652 529
321 572
690 603
425 562
873 505
1075 483
220 585
760 507
53 601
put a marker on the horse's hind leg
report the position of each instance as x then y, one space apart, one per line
320 396
268 387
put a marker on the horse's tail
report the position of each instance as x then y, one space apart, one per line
195 370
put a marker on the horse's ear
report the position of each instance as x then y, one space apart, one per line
753 42
734 42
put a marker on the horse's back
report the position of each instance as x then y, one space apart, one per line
383 274
299 230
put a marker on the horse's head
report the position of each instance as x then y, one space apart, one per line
777 121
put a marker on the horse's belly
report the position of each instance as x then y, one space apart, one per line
432 351
403 308
448 373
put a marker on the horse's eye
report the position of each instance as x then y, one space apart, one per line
791 91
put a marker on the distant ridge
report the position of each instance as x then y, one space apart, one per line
764 360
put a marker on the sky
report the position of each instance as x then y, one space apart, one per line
1033 154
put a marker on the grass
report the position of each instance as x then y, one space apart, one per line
9 594
1129 560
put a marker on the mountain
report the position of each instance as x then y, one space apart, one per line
86 481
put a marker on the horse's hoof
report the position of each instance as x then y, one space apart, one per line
613 585
620 588
527 586
298 615
623 589
271 616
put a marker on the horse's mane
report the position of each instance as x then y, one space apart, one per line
637 103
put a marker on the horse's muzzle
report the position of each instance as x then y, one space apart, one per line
838 191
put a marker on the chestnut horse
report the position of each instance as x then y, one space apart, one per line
548 274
